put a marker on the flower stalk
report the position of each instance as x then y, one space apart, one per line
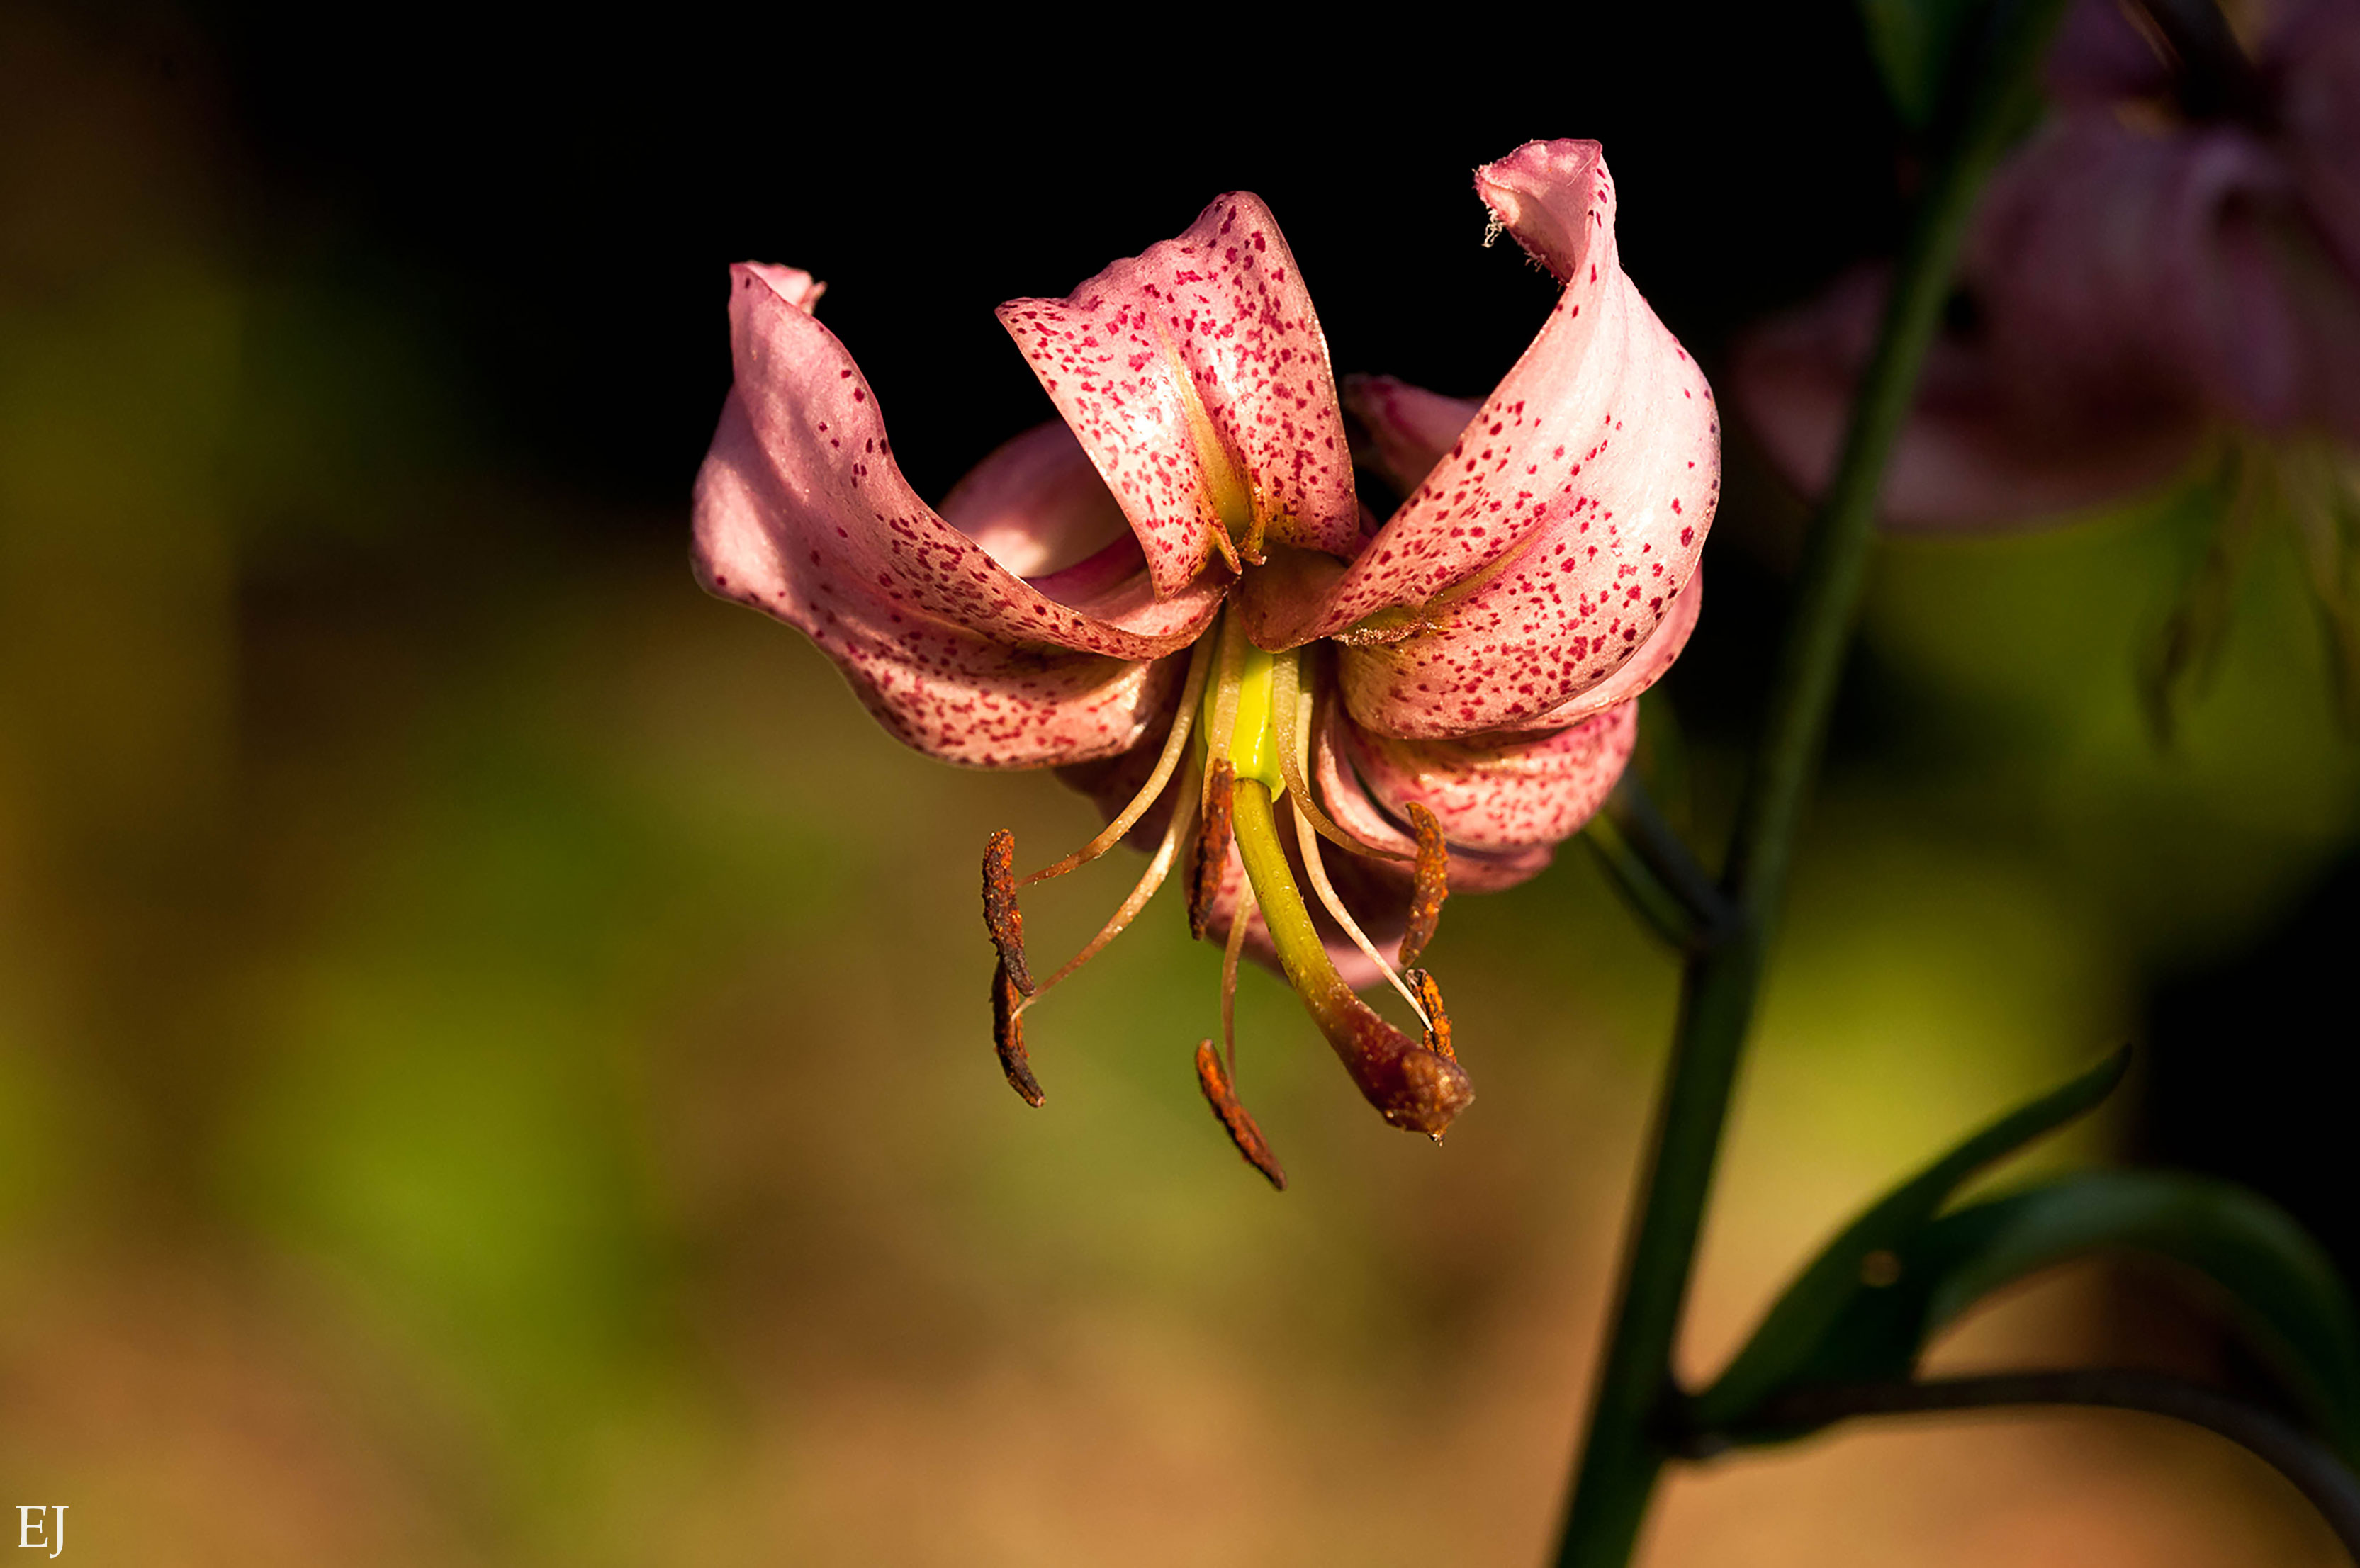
1632 1426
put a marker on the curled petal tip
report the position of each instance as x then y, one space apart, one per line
1526 189
792 284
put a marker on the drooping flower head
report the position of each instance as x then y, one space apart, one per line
2177 249
1178 595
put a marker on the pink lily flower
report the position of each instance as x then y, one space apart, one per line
2176 250
1176 596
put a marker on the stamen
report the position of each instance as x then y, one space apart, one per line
1251 547
1240 918
1433 884
1208 859
1229 551
1001 918
1438 1027
1317 870
1008 1037
1234 1119
1290 702
1175 747
1184 817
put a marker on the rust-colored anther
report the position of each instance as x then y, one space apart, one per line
1432 887
1001 918
1007 1039
1214 1079
1429 997
1209 858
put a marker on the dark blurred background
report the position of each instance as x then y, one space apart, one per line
492 1046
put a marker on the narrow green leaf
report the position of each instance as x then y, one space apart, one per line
1798 1324
1912 42
2280 1285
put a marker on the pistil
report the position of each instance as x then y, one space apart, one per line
1261 707
1412 1087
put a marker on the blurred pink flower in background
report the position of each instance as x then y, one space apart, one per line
2177 250
1474 657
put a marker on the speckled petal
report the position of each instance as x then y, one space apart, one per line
803 513
1038 508
1496 798
1541 552
1336 775
1197 379
1643 668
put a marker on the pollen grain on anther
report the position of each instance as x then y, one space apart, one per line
1007 1039
1432 886
1214 1079
1209 858
1001 917
1437 1021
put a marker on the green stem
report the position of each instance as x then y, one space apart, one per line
1630 1433
1656 868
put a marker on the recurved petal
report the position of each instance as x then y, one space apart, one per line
1500 797
2100 246
1035 504
1198 380
1348 797
1038 508
1643 668
803 513
1541 552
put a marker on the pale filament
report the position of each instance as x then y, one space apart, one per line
1239 918
1326 891
1184 817
1175 747
1287 693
